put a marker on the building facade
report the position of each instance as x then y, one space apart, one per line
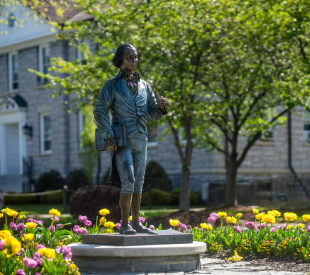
36 130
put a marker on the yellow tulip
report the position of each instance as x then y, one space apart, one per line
12 213
130 218
255 211
1 215
31 225
239 216
11 246
274 213
300 225
102 221
222 215
269 218
47 252
27 237
231 220
207 227
104 212
54 212
109 225
289 216
260 216
306 218
4 234
174 222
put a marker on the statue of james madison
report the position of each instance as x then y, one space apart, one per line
130 101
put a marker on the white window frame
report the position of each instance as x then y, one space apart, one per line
41 65
11 71
42 115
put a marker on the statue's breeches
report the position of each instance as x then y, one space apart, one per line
130 163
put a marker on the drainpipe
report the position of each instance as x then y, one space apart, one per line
289 140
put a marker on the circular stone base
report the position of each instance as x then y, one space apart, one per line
144 258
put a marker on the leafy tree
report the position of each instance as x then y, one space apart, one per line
88 154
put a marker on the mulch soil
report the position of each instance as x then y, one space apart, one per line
194 218
273 262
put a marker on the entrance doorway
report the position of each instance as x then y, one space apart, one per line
11 150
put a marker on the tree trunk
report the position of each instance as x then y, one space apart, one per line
231 186
184 196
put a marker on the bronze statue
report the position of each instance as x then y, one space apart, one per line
130 101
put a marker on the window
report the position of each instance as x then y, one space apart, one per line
152 134
267 135
13 71
79 54
307 125
45 133
44 60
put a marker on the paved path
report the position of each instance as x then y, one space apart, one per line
220 267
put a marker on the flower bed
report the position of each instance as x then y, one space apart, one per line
33 248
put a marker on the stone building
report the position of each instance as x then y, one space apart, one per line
37 131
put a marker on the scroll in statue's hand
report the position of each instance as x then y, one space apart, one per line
111 144
162 105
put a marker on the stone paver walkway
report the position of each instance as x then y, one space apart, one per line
220 267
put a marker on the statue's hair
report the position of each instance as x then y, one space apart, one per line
119 54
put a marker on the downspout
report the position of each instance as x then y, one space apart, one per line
289 140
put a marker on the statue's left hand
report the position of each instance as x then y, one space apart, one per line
162 105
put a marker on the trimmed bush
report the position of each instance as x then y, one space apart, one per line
56 198
51 180
175 197
158 197
76 179
88 200
156 175
19 200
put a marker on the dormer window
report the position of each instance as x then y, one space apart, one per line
13 71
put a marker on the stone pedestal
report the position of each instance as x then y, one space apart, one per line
114 253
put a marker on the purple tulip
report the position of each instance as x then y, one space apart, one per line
83 231
189 226
88 223
39 223
66 252
179 224
237 229
152 227
13 226
82 218
51 228
37 273
141 219
308 228
275 229
212 219
20 226
77 229
1 245
31 220
40 246
59 225
214 215
30 263
55 219
20 272
118 226
250 225
261 226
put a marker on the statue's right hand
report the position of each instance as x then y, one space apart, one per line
111 145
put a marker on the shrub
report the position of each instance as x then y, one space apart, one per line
175 197
51 180
19 200
56 198
105 179
156 175
158 197
76 179
88 200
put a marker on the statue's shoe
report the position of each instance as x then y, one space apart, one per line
126 229
141 229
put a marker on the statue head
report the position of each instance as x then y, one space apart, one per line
126 58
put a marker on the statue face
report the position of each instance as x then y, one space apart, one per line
130 60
